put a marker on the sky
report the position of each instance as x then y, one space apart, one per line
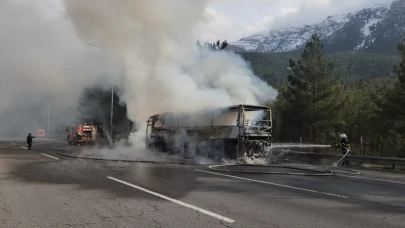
235 19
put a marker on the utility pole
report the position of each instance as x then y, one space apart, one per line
48 119
112 96
112 109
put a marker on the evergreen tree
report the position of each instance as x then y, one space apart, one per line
395 103
313 94
364 117
400 68
214 46
350 66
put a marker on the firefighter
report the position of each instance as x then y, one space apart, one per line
344 144
78 137
29 140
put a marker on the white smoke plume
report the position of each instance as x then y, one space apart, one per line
42 61
45 59
165 71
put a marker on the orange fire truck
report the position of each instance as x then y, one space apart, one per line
82 133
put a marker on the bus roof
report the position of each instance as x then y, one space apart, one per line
246 108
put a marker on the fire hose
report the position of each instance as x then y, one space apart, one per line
297 169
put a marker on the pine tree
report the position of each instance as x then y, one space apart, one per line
313 94
400 68
395 102
218 46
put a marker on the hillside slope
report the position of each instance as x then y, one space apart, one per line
350 66
377 28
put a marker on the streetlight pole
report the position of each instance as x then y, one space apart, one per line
112 98
48 120
112 109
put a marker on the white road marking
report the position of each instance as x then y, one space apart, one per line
24 147
175 201
365 178
275 184
13 143
50 156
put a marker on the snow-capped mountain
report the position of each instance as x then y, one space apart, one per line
376 28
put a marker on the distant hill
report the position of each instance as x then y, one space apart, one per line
377 28
351 66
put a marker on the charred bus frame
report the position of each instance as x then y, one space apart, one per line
240 136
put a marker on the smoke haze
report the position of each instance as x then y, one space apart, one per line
41 61
165 70
46 59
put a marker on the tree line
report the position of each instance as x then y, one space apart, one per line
315 104
351 66
213 46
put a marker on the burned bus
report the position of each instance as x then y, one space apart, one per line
229 132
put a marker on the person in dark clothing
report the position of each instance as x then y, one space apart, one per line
29 140
344 144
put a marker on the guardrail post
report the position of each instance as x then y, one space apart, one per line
393 166
301 143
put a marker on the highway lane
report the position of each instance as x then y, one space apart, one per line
43 192
38 190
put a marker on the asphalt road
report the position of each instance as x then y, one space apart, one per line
39 188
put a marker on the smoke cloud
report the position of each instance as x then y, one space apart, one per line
165 71
46 59
42 61
155 40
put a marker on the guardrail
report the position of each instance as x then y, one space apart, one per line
365 159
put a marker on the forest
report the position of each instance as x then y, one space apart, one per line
317 101
351 67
